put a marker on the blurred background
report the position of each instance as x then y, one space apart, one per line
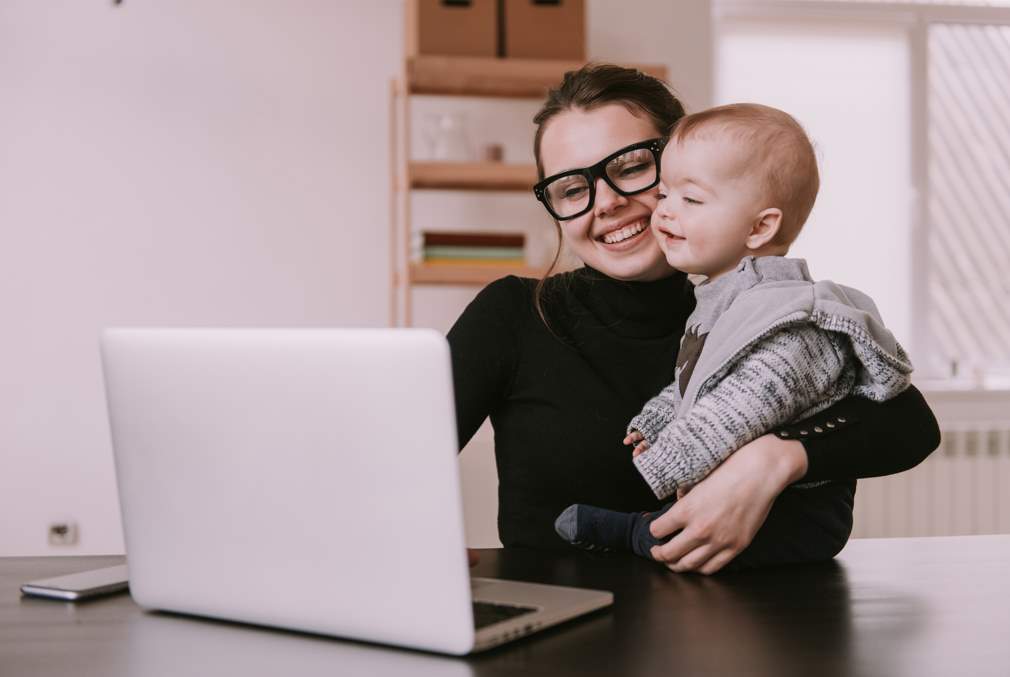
310 162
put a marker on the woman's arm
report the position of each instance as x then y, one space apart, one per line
858 437
484 346
766 388
723 513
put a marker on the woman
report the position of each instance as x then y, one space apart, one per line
561 365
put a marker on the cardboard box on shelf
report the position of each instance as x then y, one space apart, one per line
452 27
545 29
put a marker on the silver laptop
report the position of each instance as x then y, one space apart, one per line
306 479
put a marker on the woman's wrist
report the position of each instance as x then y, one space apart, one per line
789 457
782 461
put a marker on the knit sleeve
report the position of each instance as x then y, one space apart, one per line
657 413
484 344
791 372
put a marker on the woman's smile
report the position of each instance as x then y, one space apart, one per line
624 236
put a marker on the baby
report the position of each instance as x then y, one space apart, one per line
766 344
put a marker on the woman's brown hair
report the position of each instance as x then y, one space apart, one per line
590 87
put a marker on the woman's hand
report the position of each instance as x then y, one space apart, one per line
721 514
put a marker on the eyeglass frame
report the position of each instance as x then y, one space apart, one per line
598 171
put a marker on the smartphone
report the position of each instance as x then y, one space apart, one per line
84 585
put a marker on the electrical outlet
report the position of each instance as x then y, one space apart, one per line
63 533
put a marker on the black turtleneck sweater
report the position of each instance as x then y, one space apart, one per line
560 399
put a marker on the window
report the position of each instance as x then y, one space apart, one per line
969 194
908 104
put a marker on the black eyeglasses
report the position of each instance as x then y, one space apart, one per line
631 170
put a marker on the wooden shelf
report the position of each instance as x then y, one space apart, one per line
472 176
507 78
420 273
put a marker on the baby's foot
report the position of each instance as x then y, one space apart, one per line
593 528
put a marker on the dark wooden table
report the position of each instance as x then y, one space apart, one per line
891 607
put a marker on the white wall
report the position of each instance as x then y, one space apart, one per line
677 33
173 163
219 163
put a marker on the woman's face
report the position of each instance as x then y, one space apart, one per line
580 138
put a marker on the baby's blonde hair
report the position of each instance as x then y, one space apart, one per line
774 148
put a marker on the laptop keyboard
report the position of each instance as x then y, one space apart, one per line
487 613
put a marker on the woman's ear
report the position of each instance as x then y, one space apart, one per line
766 227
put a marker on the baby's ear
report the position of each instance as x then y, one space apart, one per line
766 227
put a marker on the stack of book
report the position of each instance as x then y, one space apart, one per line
473 249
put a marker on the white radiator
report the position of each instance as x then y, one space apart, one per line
962 488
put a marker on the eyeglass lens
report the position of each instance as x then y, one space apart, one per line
629 173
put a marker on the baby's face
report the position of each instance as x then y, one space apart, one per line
707 205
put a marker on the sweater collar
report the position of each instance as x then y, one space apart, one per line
716 295
645 310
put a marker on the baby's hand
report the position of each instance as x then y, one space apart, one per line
638 439
634 437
